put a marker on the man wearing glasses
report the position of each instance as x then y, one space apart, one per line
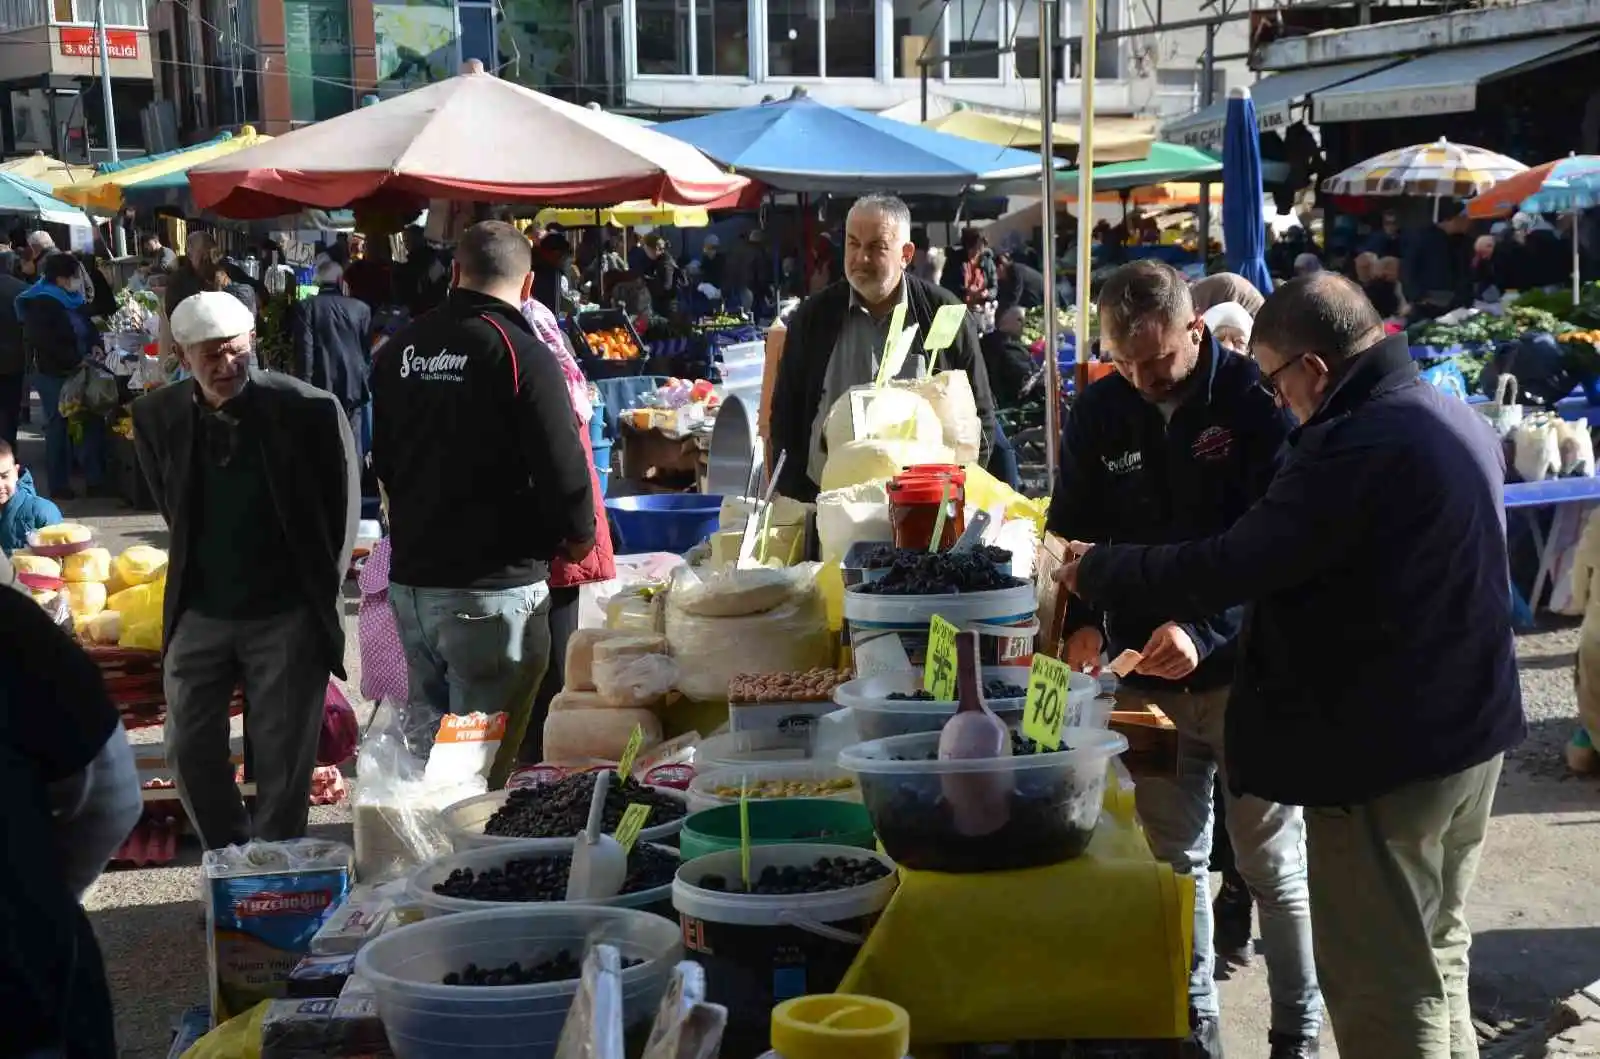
256 477
1377 681
1174 447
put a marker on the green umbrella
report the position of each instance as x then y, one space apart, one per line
1167 163
19 195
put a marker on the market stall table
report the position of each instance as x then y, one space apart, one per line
656 461
1572 499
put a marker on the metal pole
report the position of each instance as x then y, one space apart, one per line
1085 192
1047 238
1208 67
118 236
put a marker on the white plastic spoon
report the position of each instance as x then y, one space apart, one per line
599 867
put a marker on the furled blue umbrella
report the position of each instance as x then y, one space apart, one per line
799 144
1243 233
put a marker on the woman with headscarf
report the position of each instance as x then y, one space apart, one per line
1226 287
565 576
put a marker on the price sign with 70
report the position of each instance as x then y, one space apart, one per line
1046 709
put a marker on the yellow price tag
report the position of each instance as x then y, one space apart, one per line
628 828
945 327
937 537
886 366
1046 708
629 752
744 833
939 667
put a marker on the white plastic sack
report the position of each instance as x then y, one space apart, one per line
1538 449
950 395
855 513
1576 448
788 637
876 460
891 413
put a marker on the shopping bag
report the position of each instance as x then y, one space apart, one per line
1503 412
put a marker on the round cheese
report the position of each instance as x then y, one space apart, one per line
35 564
85 598
91 564
140 564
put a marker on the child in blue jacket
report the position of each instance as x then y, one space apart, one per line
21 509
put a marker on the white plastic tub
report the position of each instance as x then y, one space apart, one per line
1052 800
425 1019
419 887
759 747
703 791
880 717
891 632
465 820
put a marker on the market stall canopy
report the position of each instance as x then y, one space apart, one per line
51 172
430 143
1571 183
799 144
1438 170
1167 163
1275 98
1442 82
109 192
626 215
20 196
1176 193
1115 139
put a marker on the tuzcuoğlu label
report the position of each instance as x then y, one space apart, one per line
261 926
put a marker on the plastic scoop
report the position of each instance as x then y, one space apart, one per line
980 799
972 536
599 866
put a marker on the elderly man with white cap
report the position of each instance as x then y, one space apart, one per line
256 476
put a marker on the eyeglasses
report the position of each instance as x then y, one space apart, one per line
1269 379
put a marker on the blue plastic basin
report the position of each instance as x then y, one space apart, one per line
672 522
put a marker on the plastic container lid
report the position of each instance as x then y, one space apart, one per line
703 790
928 490
840 1026
953 471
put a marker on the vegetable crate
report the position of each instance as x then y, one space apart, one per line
608 347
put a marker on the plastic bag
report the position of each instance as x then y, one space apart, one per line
593 1029
686 1027
91 390
851 515
340 730
238 1038
950 395
397 813
790 634
1537 447
638 681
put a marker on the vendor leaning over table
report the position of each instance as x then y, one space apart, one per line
255 474
1377 678
477 447
1175 446
836 339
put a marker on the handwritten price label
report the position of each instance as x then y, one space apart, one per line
630 752
1046 707
939 670
628 828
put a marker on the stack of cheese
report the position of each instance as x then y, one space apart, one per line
614 681
133 614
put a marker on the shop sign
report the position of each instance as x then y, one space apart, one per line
80 43
1403 103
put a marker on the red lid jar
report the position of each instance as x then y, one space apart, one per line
914 508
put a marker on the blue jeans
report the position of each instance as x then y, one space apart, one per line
472 651
1269 850
58 447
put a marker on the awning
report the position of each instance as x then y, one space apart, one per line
1442 82
1273 97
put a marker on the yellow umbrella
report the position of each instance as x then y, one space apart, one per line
626 215
103 194
1115 139
51 172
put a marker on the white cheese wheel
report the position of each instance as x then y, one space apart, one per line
595 735
580 656
91 564
630 645
38 565
85 598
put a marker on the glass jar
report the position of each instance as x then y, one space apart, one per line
914 505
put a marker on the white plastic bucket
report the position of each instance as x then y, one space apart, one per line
465 821
427 1020
890 632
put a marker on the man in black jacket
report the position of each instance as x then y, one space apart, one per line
1174 447
475 443
255 474
836 339
332 338
13 362
1377 676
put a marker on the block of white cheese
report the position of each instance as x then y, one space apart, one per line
595 735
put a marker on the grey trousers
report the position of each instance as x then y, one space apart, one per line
284 691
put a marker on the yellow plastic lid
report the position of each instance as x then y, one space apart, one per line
840 1026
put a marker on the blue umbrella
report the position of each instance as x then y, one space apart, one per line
1243 234
799 144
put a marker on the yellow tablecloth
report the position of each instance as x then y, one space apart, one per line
1096 948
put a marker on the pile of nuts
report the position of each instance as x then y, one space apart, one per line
789 788
814 685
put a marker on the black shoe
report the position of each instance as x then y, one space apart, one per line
1230 918
1205 1040
1285 1047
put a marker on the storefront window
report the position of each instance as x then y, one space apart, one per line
22 14
1026 14
918 32
722 38
478 35
974 27
662 37
416 42
852 38
792 46
317 56
119 13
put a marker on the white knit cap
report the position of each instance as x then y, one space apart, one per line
208 316
1228 314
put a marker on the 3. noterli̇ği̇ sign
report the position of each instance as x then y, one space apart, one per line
79 42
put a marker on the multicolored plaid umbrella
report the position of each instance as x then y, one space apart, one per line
1436 170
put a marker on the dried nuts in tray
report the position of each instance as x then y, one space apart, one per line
813 685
